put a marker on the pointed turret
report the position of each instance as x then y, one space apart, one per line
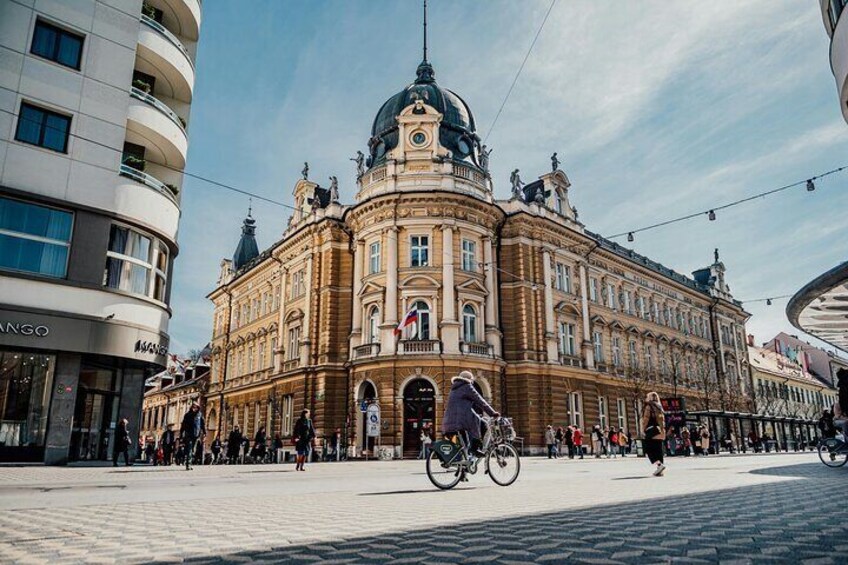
247 250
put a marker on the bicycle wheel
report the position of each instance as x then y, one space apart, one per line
832 452
503 464
444 477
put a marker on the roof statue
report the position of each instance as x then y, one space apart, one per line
554 163
334 189
515 181
715 254
484 158
360 163
305 171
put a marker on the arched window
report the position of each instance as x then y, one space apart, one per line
374 325
422 327
469 324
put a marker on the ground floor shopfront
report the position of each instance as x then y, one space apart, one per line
379 407
66 381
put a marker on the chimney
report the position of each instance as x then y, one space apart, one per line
750 340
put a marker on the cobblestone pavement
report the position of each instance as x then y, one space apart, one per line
785 508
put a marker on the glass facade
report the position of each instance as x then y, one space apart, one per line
34 239
26 380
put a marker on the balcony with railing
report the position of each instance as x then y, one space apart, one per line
570 360
161 53
169 191
291 364
182 17
420 346
480 349
366 350
158 128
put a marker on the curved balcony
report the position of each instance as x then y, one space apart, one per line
161 49
180 16
144 196
159 128
839 62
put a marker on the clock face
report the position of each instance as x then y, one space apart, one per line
463 147
418 138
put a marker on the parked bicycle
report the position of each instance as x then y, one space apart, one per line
450 460
833 452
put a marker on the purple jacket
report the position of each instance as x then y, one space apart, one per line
464 403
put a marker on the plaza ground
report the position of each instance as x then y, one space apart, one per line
755 508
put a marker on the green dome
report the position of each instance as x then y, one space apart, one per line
457 131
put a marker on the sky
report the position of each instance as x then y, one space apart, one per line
656 110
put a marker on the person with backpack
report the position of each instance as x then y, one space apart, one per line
303 436
653 432
569 441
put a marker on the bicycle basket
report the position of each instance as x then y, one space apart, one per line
503 430
447 451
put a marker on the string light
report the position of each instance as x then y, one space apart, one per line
767 299
630 237
811 186
712 215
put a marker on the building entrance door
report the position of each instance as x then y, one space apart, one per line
96 414
419 408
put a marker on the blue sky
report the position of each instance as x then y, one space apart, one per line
656 109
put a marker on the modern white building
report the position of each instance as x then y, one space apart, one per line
95 98
837 28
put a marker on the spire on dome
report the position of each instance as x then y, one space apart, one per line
425 71
247 249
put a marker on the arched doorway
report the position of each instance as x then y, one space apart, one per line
419 408
367 394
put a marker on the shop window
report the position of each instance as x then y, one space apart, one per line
26 383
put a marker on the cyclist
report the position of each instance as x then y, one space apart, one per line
462 411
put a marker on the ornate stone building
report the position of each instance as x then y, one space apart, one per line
559 324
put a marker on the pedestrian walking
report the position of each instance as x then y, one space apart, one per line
234 445
622 442
426 441
167 442
686 437
550 440
826 425
559 437
704 436
597 441
569 441
192 429
122 443
277 446
304 434
259 446
216 449
653 431
612 443
578 441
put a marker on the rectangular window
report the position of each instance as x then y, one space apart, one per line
563 277
43 128
575 407
294 343
128 261
566 339
419 251
261 363
611 296
469 255
374 258
598 342
593 289
602 411
649 358
287 410
622 413
633 358
297 285
616 351
628 303
34 239
57 44
250 360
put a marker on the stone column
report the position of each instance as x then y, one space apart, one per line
550 331
449 323
356 332
493 335
588 347
64 396
388 344
305 338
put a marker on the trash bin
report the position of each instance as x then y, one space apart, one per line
640 451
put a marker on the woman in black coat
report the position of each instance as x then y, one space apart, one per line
303 435
233 445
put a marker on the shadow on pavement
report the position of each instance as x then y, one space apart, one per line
787 521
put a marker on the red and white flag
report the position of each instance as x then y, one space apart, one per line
410 318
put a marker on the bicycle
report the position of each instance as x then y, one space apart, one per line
833 452
450 461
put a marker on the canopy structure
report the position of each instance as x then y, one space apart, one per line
820 308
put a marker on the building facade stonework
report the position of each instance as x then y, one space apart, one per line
558 324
